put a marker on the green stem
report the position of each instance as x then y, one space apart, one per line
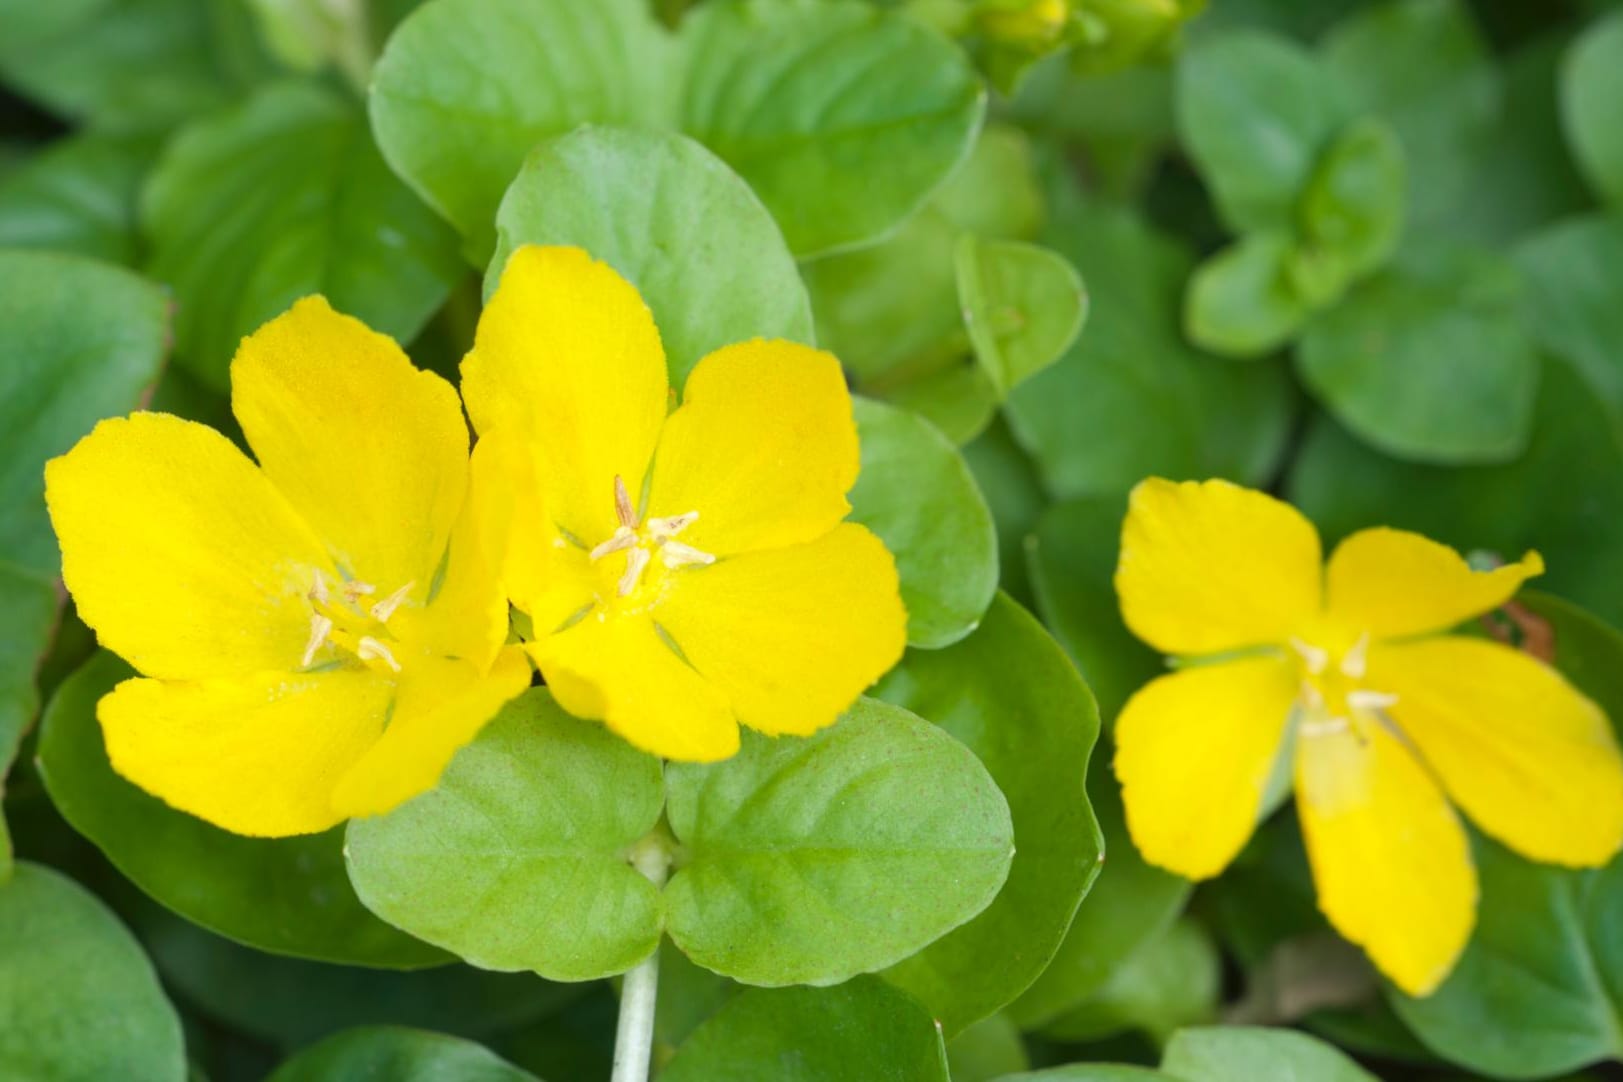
639 994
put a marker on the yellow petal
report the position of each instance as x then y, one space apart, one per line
792 636
1194 752
1208 566
567 358
619 670
370 450
1521 751
1390 860
1392 583
764 447
258 755
440 706
179 553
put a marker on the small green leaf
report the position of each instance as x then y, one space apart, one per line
989 1049
807 861
862 1031
916 492
1023 304
675 222
517 860
1591 86
1431 359
1242 302
1091 1072
1255 110
287 895
1247 1053
31 604
1170 981
1010 695
78 195
1353 203
1575 297
284 196
80 1000
399 1055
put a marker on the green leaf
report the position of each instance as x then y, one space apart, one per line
1430 360
1023 304
399 1055
849 117
1170 981
1130 398
78 195
916 492
1535 994
994 192
688 995
287 895
517 860
675 222
31 604
862 1031
79 341
284 196
958 400
1575 298
1242 302
986 1050
129 64
1247 1053
1010 695
1008 479
1254 111
1353 203
1591 86
80 1000
807 861
1091 1072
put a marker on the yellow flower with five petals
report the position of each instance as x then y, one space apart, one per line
687 573
1346 675
316 634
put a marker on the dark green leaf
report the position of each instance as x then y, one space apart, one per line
30 603
989 1049
1575 297
1170 981
398 1055
78 195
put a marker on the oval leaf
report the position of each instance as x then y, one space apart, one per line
399 1055
78 195
1023 305
1591 87
1242 301
1247 1053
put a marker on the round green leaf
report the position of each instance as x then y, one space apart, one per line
1430 360
1591 86
862 1031
1170 981
287 895
399 1055
1011 696
78 195
1248 1053
849 116
1023 304
1576 298
807 861
1241 302
916 492
1091 1072
1353 203
675 222
517 860
284 196
79 999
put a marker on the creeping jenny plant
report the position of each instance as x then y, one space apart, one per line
1384 717
686 573
317 635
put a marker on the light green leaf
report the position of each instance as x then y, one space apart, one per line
1172 980
1430 360
916 492
287 895
989 1049
1591 86
517 860
79 999
1575 298
862 1031
1255 110
1247 1053
284 196
1241 301
1353 203
399 1055
995 191
1091 1072
1023 304
807 861
675 222
78 195
958 400
1010 695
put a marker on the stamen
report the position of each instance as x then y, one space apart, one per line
1356 659
385 608
636 562
318 591
320 628
354 590
1372 701
623 538
1315 658
668 527
368 648
622 504
674 554
1324 726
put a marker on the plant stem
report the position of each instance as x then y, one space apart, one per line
634 1036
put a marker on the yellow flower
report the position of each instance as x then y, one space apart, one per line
1348 672
1028 23
317 635
687 573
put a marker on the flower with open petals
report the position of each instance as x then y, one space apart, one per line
1385 717
316 635
682 573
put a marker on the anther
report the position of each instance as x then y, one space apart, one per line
1356 660
665 528
1370 700
318 591
622 504
385 608
320 628
354 590
623 538
1324 726
636 561
674 554
368 648
1315 658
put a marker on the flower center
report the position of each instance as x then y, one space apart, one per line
1333 690
353 622
642 541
